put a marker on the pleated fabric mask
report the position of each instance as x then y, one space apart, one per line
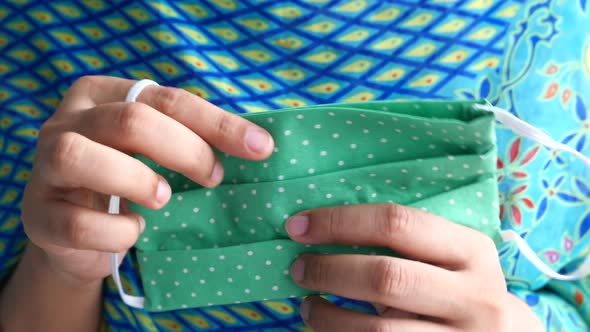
229 244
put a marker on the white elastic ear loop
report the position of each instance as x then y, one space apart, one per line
581 272
114 204
526 130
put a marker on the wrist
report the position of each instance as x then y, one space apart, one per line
45 266
56 300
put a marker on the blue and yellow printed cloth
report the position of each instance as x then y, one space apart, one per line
531 57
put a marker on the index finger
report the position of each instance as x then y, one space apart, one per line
410 232
226 131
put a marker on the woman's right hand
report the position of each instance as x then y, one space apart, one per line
83 156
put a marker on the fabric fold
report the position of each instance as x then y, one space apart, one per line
229 244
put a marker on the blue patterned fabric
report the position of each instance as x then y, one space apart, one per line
531 57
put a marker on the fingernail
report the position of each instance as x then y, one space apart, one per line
298 269
298 225
217 174
305 306
257 140
141 224
163 192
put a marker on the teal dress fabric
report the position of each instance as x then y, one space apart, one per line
530 57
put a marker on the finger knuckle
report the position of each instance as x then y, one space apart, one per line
149 182
83 83
130 120
316 272
123 244
334 222
378 326
169 100
395 221
224 125
203 154
25 215
483 252
76 231
392 280
205 159
486 244
492 310
47 128
67 152
318 321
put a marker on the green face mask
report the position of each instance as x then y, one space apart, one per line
229 244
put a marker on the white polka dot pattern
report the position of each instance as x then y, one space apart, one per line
218 246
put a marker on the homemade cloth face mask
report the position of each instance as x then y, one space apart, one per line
229 244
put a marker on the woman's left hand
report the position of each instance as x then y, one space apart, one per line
451 281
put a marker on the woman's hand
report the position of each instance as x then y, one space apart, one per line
451 281
82 156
